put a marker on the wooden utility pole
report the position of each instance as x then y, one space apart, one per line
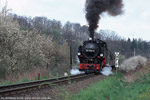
0 5
70 54
70 46
0 11
134 52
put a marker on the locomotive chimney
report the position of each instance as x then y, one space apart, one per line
91 34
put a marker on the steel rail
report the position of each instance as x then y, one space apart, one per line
7 90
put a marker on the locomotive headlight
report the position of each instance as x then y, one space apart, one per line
79 53
101 55
90 38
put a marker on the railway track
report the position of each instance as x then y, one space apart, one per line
7 90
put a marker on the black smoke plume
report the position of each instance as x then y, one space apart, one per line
94 8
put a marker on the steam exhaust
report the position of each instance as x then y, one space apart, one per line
94 9
75 72
107 71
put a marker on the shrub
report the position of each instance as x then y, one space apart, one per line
22 50
132 63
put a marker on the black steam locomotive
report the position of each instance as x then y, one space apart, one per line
94 55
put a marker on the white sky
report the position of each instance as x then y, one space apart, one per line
134 23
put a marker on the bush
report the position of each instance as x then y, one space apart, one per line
22 50
132 63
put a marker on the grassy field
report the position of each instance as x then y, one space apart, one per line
114 88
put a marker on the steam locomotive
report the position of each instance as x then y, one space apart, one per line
93 56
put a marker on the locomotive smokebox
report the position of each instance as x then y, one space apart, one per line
90 49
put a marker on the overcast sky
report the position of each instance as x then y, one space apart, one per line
134 23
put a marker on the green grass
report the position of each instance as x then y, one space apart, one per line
27 80
113 88
6 83
23 80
